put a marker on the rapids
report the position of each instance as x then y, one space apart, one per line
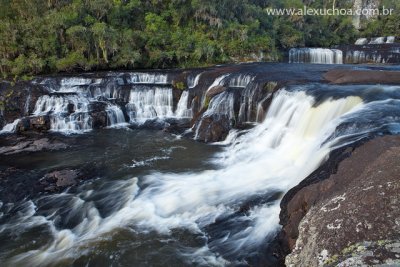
223 211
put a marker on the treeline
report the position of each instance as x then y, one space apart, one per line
43 36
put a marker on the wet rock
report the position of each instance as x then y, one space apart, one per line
155 124
18 100
36 123
40 123
343 76
215 91
357 203
177 126
58 180
29 145
213 128
99 119
2 121
70 108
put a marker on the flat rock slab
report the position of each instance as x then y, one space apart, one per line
349 76
358 204
32 146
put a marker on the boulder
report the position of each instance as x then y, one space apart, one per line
177 126
98 114
213 128
58 180
354 210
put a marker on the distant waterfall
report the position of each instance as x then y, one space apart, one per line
315 55
378 40
361 41
148 78
10 127
149 102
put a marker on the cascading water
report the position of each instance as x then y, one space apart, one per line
240 80
148 78
390 39
149 102
182 110
377 40
361 41
217 82
248 103
68 113
315 55
115 116
218 216
10 127
70 102
193 81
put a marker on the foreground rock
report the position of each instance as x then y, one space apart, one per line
31 145
58 180
353 216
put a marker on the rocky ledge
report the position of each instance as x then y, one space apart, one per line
351 218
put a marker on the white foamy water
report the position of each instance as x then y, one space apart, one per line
68 113
273 157
182 110
148 78
315 55
193 81
10 127
149 103
115 116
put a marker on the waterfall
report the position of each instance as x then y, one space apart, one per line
217 82
356 56
240 80
148 78
315 55
248 103
115 116
182 110
68 113
377 40
10 127
271 158
149 102
222 104
72 84
193 81
390 39
27 103
361 41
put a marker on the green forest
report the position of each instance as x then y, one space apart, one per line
47 36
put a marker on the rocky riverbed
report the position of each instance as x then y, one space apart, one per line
317 142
